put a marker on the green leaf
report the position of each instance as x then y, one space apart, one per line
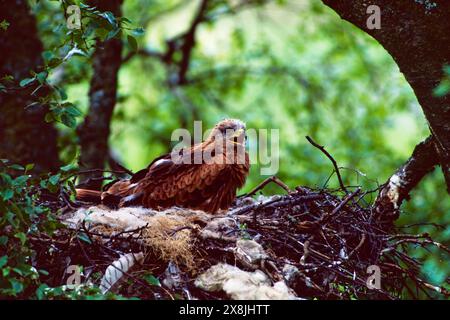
82 236
3 240
3 261
18 271
72 110
85 6
7 78
54 179
7 194
133 43
62 93
42 76
442 89
72 187
152 280
40 292
4 25
108 15
124 19
447 69
43 184
17 167
69 167
44 272
48 55
16 286
112 33
68 120
29 167
20 181
49 117
137 32
26 81
21 236
6 271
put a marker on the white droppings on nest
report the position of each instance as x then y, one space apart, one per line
290 272
168 232
250 253
124 219
128 218
221 229
393 194
243 285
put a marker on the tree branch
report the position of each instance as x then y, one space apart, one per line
189 42
411 31
336 168
94 131
185 42
422 161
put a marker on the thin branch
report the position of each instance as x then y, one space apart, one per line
336 168
261 186
189 42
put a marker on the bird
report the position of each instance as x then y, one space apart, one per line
183 179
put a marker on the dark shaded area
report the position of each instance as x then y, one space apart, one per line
24 135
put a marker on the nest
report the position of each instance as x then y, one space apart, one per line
307 244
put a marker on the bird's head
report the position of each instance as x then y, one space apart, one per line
232 130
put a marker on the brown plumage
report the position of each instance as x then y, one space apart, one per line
210 185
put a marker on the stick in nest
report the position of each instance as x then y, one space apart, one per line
260 186
336 168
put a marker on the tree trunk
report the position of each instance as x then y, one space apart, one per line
416 34
392 194
94 131
24 135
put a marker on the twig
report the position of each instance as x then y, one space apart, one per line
336 210
273 179
360 244
336 168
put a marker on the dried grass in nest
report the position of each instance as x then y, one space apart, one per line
173 246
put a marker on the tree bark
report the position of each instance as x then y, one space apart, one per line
422 161
416 34
24 135
94 131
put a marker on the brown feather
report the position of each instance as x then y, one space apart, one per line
88 195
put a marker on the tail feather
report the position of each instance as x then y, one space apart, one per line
86 195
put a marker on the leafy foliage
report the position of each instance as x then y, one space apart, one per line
22 218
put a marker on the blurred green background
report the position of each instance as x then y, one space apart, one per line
288 65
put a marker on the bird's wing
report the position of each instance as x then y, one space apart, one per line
205 186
